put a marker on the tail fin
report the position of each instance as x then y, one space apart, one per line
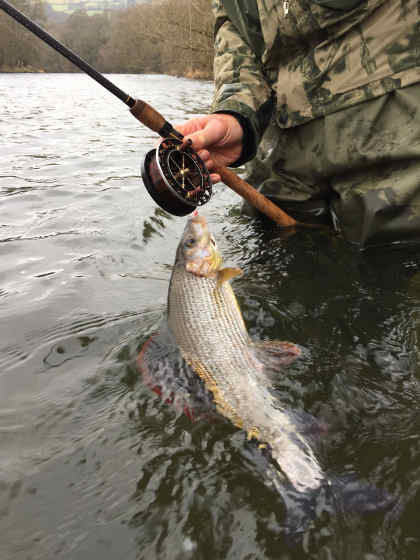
353 496
311 517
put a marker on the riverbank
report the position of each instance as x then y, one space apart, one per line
5 69
198 75
191 74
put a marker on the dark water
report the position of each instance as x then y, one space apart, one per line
94 465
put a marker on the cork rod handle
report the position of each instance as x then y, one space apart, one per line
255 198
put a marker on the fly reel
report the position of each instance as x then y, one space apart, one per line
176 177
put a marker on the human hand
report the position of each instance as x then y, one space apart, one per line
217 138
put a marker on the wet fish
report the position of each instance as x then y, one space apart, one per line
206 322
204 360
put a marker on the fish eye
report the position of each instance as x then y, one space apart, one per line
190 242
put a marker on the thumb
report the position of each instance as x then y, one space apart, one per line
213 131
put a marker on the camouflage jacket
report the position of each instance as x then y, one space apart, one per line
297 60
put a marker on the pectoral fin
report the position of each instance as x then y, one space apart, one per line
227 274
277 353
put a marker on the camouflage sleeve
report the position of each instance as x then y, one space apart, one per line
240 85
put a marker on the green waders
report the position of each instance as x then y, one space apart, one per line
360 166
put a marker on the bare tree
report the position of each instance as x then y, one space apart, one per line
20 49
166 36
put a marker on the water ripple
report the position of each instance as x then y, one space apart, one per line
94 464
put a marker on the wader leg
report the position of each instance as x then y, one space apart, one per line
377 197
362 163
381 206
284 171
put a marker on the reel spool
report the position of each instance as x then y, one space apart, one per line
176 177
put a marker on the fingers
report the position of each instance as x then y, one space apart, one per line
209 163
204 155
217 138
215 178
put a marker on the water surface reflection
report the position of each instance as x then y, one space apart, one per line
93 464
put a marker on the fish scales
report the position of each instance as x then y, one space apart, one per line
207 324
199 309
210 333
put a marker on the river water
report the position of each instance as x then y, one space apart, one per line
95 465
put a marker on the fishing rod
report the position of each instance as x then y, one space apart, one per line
173 173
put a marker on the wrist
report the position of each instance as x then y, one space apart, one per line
249 145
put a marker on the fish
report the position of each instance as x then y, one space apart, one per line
205 360
206 324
